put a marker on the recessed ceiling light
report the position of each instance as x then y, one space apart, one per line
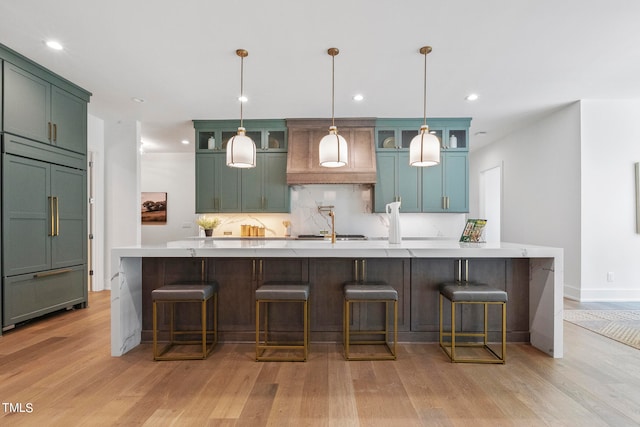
185 142
358 97
243 99
138 100
472 97
54 45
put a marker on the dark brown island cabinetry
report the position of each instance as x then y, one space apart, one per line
416 281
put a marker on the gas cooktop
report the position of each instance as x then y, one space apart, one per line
338 237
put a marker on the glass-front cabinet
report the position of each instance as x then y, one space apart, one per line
220 188
396 134
441 188
213 135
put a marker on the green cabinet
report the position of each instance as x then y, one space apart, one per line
37 109
264 188
217 186
44 218
220 188
30 295
43 120
397 181
441 188
445 187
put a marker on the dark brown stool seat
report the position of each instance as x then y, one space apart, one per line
274 292
186 292
472 293
370 292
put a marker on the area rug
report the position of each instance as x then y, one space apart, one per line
620 325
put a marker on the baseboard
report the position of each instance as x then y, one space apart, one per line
601 295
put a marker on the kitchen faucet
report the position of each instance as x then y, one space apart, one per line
332 214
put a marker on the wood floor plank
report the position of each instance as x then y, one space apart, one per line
61 366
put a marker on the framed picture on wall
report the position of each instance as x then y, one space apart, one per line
153 208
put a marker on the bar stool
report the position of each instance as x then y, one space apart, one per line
370 292
472 293
188 292
290 292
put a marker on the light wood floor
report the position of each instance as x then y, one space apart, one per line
61 367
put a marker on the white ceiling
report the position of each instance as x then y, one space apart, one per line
524 58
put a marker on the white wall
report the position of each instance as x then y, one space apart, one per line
569 182
610 147
122 187
174 174
541 185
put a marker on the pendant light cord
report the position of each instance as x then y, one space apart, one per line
425 90
333 61
241 87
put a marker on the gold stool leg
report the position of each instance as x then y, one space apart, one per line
486 323
203 324
257 328
504 332
306 329
347 327
453 331
155 329
395 328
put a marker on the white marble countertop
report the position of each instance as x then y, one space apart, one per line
545 275
410 248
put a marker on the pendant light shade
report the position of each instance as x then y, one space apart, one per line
333 147
241 150
424 149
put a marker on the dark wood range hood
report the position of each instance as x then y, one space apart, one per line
303 166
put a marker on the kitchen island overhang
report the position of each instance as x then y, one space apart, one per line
545 291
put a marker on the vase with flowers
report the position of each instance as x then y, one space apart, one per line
208 223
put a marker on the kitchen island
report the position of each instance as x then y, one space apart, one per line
532 275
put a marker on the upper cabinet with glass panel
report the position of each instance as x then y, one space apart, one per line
396 134
213 135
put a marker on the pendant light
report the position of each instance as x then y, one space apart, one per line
241 150
333 147
424 149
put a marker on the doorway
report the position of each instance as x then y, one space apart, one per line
491 202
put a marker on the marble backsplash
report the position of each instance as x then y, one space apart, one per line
352 206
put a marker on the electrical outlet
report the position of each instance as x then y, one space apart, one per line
610 276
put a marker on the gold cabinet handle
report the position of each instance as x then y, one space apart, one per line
57 233
49 131
51 217
52 273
